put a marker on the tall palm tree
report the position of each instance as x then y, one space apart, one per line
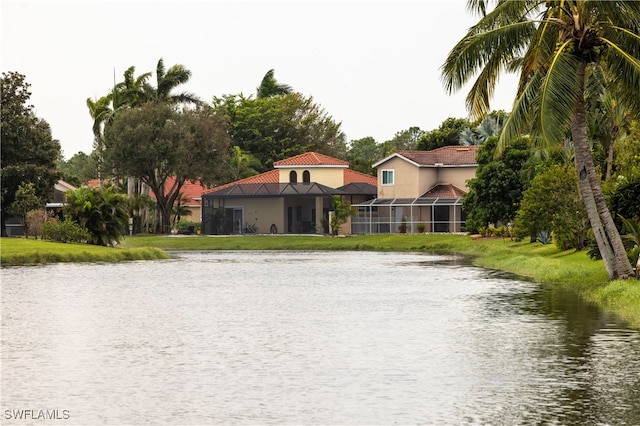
168 80
554 45
270 87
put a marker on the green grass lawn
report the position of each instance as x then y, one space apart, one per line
541 263
20 251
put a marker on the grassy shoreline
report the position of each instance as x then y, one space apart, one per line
573 271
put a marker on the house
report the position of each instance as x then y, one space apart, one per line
418 187
295 197
54 207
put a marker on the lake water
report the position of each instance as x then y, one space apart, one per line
307 338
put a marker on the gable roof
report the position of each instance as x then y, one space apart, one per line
310 159
444 191
452 155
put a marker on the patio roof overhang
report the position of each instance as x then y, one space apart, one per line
274 190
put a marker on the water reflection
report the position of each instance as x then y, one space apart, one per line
309 338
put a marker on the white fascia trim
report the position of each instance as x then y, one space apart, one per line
332 166
395 154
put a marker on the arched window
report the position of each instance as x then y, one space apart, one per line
306 176
293 176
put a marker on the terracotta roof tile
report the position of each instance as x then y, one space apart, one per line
351 176
453 155
444 191
272 176
310 159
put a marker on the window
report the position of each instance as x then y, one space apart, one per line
293 176
306 176
387 177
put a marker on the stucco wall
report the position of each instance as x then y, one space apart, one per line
406 178
329 176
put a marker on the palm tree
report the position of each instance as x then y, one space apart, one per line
554 45
168 80
270 87
102 211
242 164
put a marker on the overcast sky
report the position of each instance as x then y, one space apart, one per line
373 66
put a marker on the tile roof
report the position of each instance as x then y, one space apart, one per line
444 191
272 176
454 155
310 159
351 176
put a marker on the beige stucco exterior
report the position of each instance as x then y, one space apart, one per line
326 175
412 180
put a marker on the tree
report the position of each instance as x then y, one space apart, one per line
26 200
242 164
167 81
270 87
448 133
29 152
101 210
278 127
552 203
627 155
79 169
362 153
496 190
403 140
179 210
341 213
562 42
155 142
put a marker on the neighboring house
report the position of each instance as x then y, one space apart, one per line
295 197
14 224
418 187
191 198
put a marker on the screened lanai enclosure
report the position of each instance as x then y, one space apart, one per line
384 216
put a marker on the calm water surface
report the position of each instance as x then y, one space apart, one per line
307 338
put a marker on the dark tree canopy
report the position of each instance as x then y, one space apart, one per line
448 133
156 142
363 153
29 152
278 127
496 190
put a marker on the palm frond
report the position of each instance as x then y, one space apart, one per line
519 120
478 50
559 93
622 59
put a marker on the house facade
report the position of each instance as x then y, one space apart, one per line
418 188
293 198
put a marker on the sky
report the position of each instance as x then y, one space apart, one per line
374 67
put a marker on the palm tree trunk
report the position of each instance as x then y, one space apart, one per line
604 229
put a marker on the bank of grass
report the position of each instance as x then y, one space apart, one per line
541 263
20 252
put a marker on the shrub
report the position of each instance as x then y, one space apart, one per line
184 225
35 220
64 231
544 237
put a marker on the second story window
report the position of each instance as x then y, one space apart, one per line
293 176
306 176
387 177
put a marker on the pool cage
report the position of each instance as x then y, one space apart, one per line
411 215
